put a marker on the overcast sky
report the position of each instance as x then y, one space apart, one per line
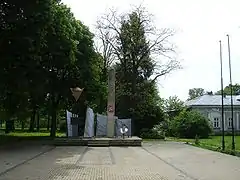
200 24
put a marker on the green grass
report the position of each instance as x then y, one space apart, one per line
150 140
33 134
214 143
17 136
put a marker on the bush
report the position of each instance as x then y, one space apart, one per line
197 142
154 116
162 128
63 126
189 124
151 134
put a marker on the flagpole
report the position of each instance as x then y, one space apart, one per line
231 88
223 138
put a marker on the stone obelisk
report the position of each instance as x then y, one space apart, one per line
111 104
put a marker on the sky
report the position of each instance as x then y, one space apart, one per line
200 24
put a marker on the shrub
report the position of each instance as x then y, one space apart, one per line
162 128
63 126
151 134
153 114
188 124
197 142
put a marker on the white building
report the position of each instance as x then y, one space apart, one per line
211 107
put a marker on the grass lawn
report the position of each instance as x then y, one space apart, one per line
25 136
214 142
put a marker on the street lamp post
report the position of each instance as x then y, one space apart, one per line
231 89
223 139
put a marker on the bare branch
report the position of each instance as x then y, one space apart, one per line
165 69
112 45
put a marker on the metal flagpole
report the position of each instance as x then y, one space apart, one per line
223 139
231 88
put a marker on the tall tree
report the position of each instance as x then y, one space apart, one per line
89 67
22 27
110 28
69 48
173 106
195 92
136 46
44 51
173 103
73 62
227 90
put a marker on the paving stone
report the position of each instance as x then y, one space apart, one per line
96 163
154 161
11 157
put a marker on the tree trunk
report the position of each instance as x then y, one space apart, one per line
48 121
38 122
7 127
32 121
54 104
23 125
53 121
13 125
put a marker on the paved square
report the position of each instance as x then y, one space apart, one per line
96 156
153 161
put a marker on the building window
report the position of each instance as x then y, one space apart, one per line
229 122
216 123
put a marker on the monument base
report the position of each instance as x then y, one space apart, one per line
99 142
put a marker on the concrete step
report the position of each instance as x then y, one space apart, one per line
98 142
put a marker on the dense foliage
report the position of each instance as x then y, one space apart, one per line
152 134
136 46
227 90
195 92
45 51
189 124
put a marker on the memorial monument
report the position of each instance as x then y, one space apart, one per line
81 122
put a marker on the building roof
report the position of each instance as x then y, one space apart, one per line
213 100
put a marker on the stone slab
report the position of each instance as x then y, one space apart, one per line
13 156
131 141
153 161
